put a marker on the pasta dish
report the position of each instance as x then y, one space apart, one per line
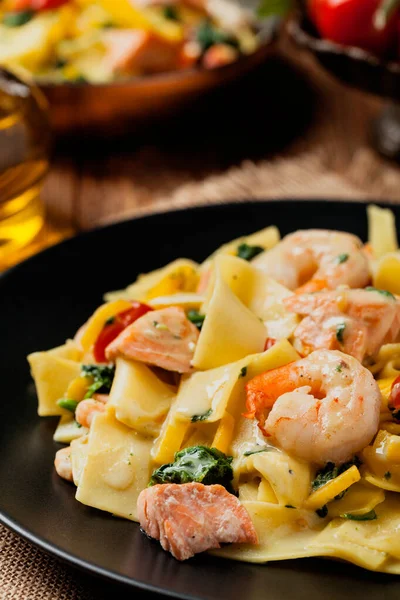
80 41
248 405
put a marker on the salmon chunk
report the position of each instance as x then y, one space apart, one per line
136 50
190 518
164 338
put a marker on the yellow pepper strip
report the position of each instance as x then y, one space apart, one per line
333 488
223 435
393 449
95 324
77 389
387 276
170 441
385 385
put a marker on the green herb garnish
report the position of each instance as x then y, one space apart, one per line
369 516
382 292
102 376
171 12
198 463
342 258
68 404
196 318
322 512
243 372
339 368
387 475
250 452
202 417
289 506
330 471
340 332
248 252
207 35
16 19
109 321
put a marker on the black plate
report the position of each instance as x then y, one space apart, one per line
44 300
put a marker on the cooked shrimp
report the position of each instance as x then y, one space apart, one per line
321 408
191 517
62 463
357 322
164 338
86 411
316 259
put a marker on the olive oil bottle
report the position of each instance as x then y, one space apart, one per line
24 151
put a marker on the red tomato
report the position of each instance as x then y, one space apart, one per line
111 330
37 4
351 23
269 342
394 398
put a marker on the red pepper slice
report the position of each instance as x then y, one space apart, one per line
269 342
115 326
19 5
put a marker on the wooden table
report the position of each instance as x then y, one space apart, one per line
288 129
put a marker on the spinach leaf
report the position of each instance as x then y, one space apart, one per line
196 318
198 463
16 19
248 252
330 471
102 377
170 12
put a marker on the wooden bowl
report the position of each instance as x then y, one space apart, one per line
117 108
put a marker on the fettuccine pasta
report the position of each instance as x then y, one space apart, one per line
248 405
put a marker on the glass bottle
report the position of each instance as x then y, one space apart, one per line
24 152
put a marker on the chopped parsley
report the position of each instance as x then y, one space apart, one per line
369 516
68 404
342 258
196 318
198 463
340 332
207 35
110 321
102 377
339 368
170 12
243 372
250 452
18 18
161 326
322 512
382 292
202 417
248 252
387 475
289 506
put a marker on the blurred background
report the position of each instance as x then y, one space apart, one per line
113 109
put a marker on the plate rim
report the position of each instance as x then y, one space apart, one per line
37 540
